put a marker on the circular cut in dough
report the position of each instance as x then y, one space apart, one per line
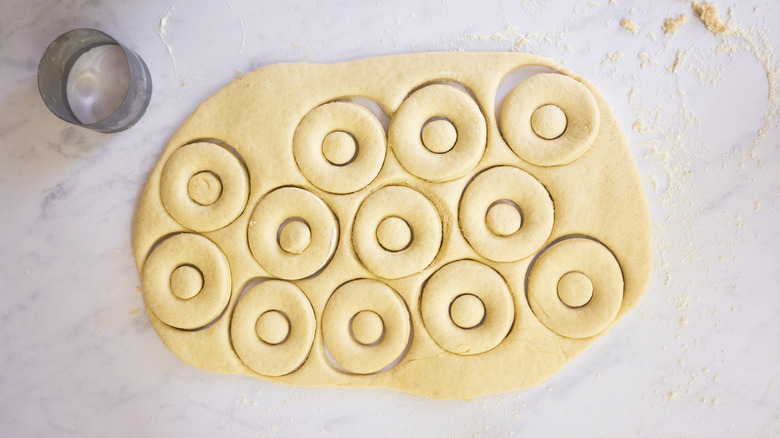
467 311
273 327
367 327
249 316
443 293
439 135
557 262
579 108
186 281
314 143
204 188
512 186
548 122
294 236
421 217
394 234
346 304
280 209
461 110
504 218
162 277
200 213
575 289
339 148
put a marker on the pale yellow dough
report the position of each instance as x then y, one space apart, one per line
447 287
367 327
413 209
349 344
438 161
394 234
575 289
273 327
186 282
218 194
504 218
439 136
467 311
284 234
548 122
204 188
306 228
545 141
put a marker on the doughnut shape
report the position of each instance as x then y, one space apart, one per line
173 271
556 264
528 139
218 194
273 328
463 113
417 212
280 209
347 345
320 138
444 294
516 188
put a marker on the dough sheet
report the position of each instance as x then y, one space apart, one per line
291 232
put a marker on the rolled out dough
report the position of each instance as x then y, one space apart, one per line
286 234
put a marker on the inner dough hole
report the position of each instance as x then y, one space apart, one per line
548 122
504 217
394 234
367 328
339 148
575 289
204 188
439 135
273 327
294 235
467 311
186 282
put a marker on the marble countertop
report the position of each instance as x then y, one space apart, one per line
698 357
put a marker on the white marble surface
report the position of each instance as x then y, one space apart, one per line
699 357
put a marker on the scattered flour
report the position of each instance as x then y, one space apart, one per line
669 148
630 25
709 75
678 60
612 57
163 32
710 16
756 42
534 7
672 24
238 72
